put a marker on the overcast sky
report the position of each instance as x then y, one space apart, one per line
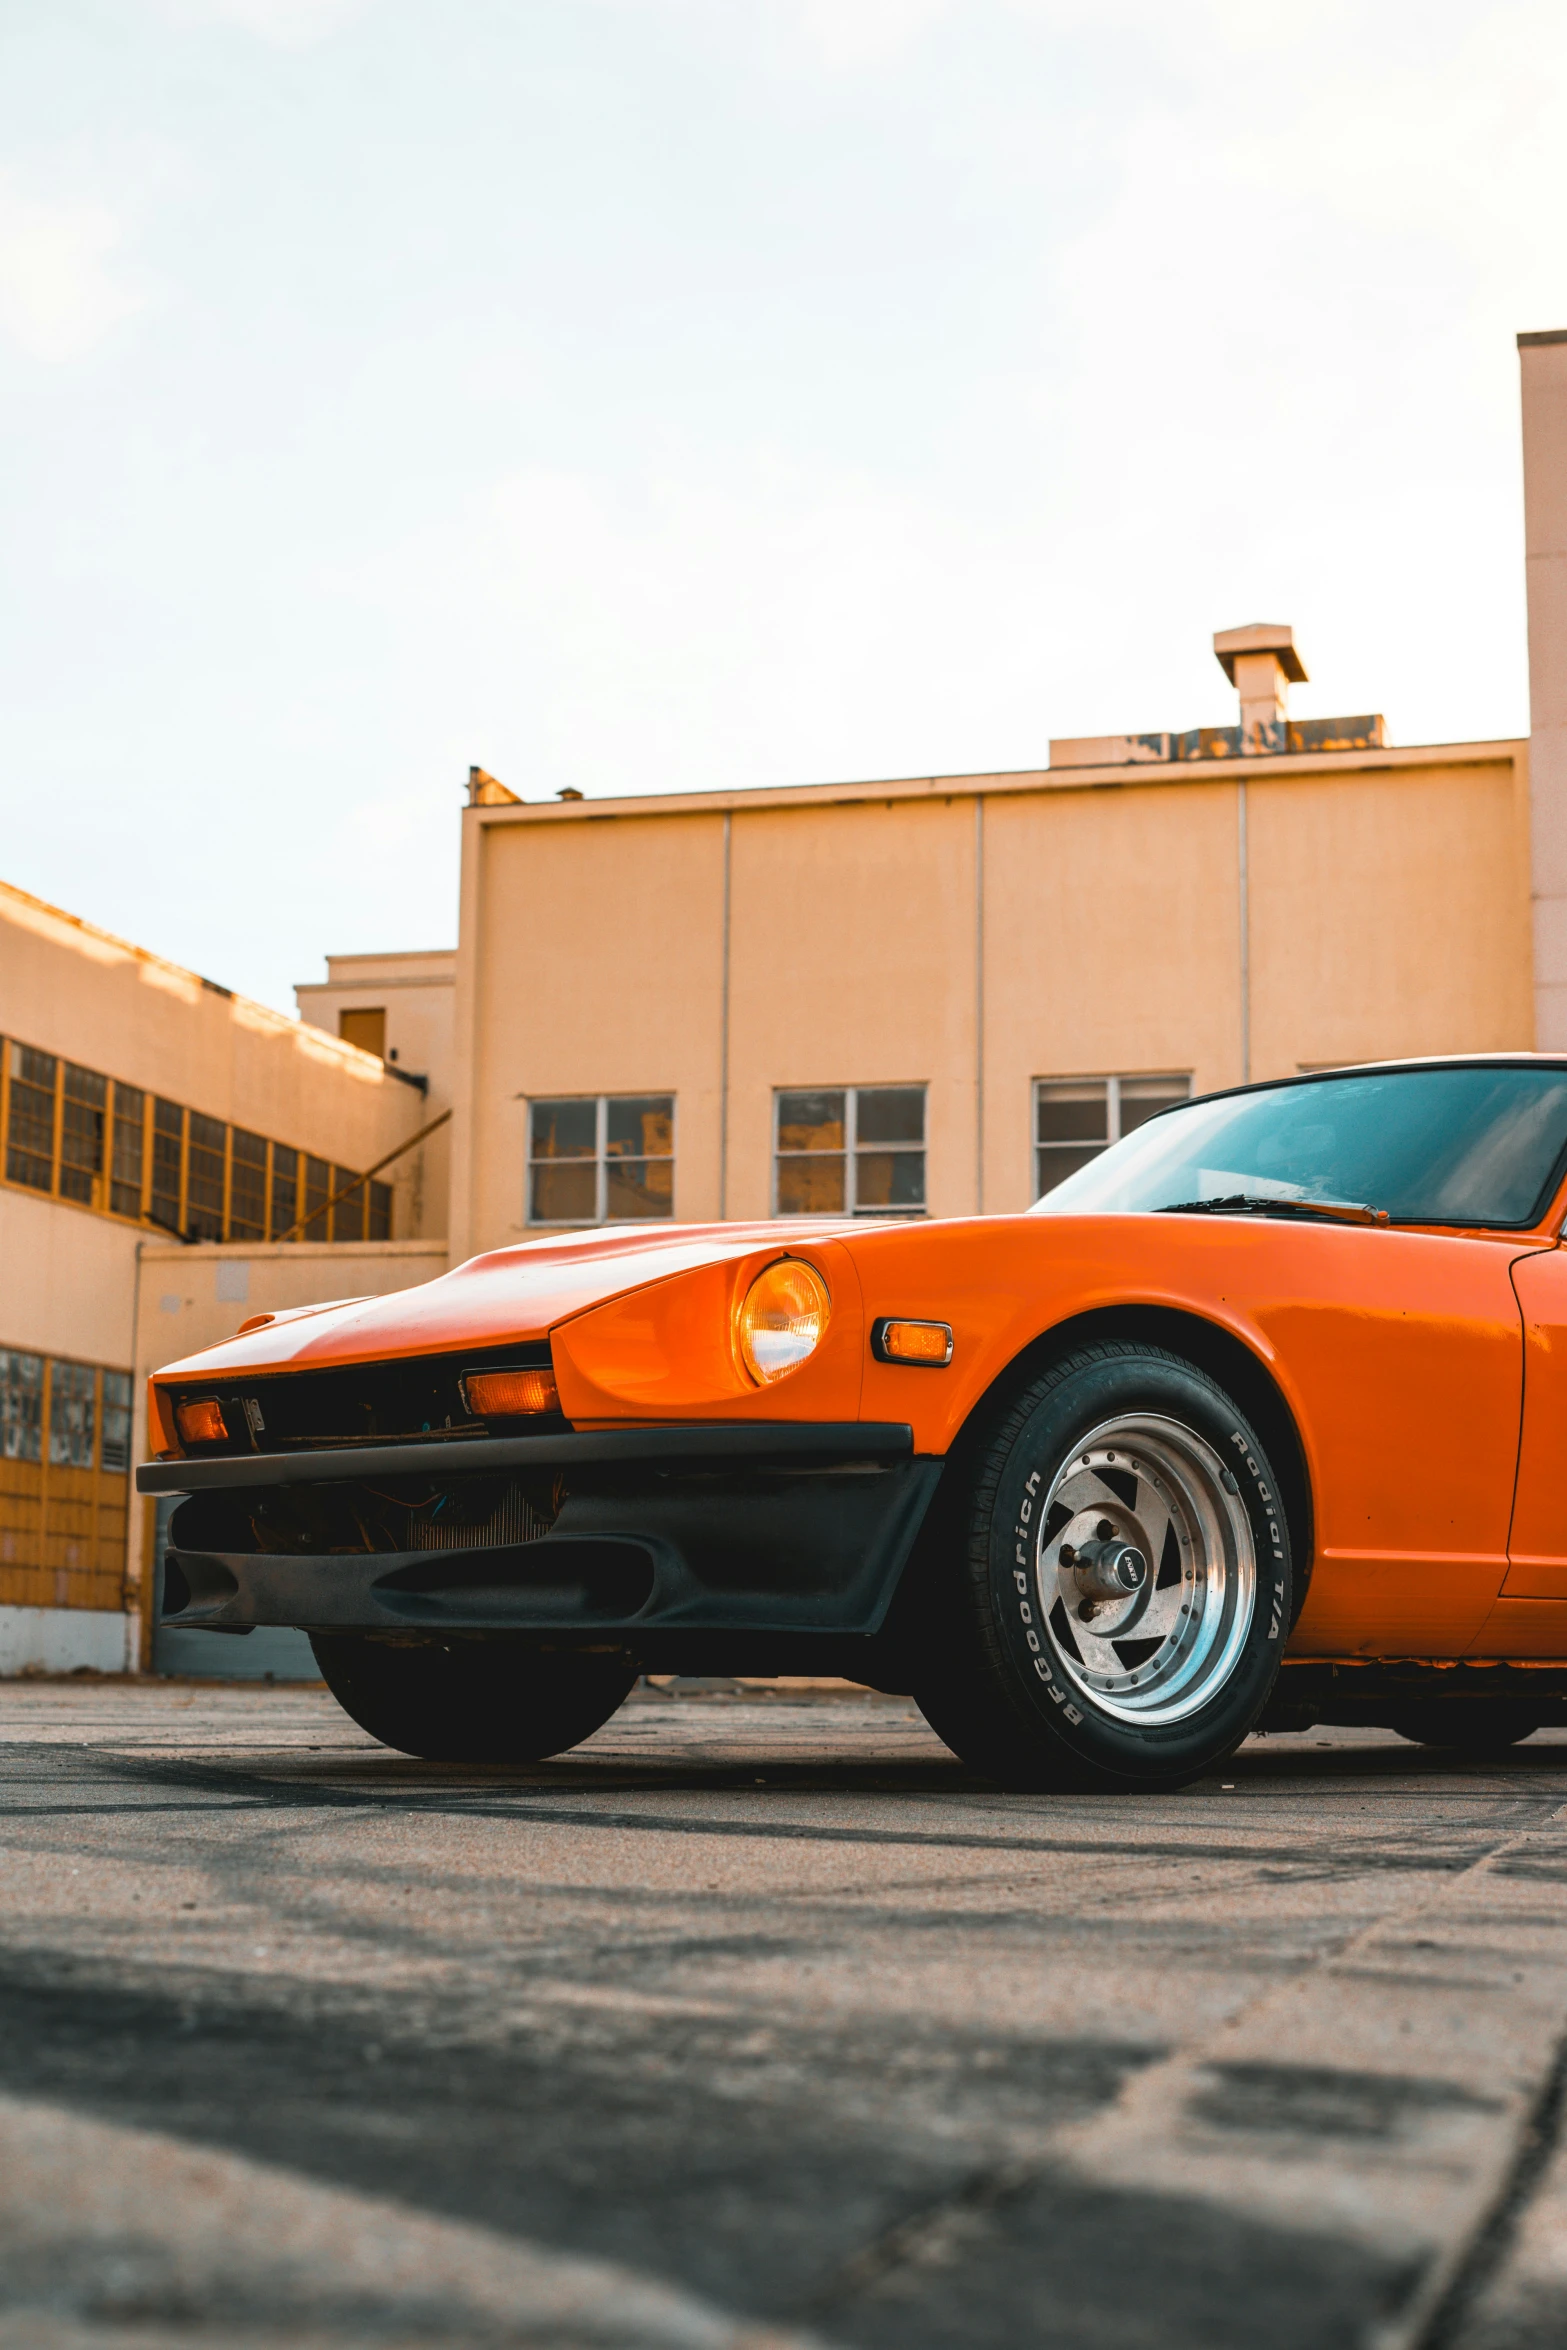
646 395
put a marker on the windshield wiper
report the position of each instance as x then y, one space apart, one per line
1251 1203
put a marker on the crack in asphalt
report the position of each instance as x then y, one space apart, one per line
954 2217
261 1792
1497 2232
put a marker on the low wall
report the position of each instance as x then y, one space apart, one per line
66 1639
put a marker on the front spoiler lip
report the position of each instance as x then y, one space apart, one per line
720 1441
797 1543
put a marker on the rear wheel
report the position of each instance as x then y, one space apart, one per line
1475 1725
1120 1592
471 1700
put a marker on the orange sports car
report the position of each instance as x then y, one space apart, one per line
1258 1419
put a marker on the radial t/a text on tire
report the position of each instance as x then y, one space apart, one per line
1114 1608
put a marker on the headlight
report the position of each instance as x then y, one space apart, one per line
783 1319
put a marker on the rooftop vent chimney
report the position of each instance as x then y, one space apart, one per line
1261 663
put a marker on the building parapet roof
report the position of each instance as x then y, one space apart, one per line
1089 775
39 915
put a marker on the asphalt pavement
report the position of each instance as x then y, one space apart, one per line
759 2021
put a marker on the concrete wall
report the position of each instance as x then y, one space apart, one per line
67 1280
974 933
853 962
1543 366
1112 943
1389 912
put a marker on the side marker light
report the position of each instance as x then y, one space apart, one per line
202 1422
926 1343
510 1395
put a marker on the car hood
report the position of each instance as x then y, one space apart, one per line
507 1295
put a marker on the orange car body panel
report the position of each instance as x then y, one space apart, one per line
667 1352
1397 1353
1529 1617
1419 1377
1537 1551
512 1293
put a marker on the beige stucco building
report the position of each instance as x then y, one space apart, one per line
985 940
940 993
140 1102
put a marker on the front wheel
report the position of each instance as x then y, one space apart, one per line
471 1700
1113 1613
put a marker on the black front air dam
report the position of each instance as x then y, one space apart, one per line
771 1530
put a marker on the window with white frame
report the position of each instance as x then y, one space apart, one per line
606 1158
850 1150
1075 1118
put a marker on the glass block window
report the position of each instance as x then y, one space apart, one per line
71 1428
318 1190
29 1141
204 1178
602 1159
82 1137
21 1406
285 1190
81 1133
168 1151
348 1217
854 1150
1075 1118
115 1451
127 1150
248 1186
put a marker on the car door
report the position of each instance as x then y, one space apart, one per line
1530 1618
1402 1353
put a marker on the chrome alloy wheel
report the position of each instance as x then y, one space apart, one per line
1146 1569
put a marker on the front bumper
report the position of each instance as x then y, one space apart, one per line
775 1529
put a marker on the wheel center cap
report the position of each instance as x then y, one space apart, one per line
1109 1569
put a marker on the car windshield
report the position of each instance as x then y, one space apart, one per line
1425 1146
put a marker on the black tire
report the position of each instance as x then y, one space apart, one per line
1473 1725
999 1682
492 1701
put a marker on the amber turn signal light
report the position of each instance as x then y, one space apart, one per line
202 1422
510 1395
929 1343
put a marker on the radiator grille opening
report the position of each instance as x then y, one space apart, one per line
403 1514
515 1520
